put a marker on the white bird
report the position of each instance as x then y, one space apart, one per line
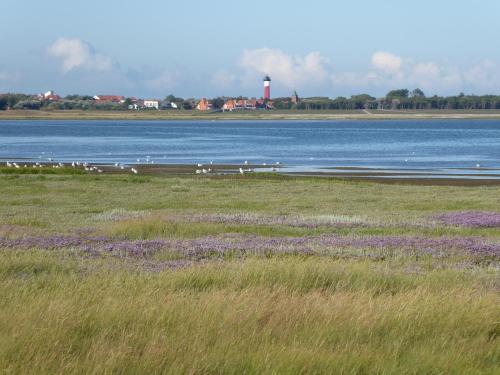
73 164
242 171
211 162
198 171
264 163
134 170
478 165
278 163
138 160
246 162
122 167
99 171
9 164
117 164
204 171
200 165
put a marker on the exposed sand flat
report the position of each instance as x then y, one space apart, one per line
245 115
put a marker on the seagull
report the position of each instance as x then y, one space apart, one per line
242 171
478 165
198 171
134 170
278 163
200 165
246 162
204 171
9 164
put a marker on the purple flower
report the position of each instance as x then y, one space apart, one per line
472 219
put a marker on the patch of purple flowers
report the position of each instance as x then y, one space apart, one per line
311 222
472 219
221 246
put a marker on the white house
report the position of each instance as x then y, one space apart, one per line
152 103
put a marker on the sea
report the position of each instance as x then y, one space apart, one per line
440 147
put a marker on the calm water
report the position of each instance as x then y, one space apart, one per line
304 145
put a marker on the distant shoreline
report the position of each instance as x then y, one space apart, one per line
249 115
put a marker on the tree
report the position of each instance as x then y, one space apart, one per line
401 93
417 93
218 102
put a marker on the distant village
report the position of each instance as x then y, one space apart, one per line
400 99
51 99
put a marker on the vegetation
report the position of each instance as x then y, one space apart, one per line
401 99
246 274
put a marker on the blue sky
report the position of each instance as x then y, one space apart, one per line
214 48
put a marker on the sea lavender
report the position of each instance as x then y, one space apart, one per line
472 219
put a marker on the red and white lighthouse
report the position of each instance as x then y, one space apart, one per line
267 88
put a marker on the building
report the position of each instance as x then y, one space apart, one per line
50 96
151 103
204 105
267 88
109 98
246 104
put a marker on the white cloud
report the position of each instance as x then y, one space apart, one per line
163 81
78 54
9 76
223 80
387 62
390 71
483 77
288 70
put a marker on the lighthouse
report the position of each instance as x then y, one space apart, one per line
267 88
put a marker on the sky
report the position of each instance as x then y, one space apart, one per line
333 48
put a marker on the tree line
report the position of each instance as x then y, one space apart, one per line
401 99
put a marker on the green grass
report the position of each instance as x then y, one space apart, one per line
68 312
288 315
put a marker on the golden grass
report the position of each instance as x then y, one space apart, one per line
292 315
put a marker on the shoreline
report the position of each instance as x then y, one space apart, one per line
403 177
275 115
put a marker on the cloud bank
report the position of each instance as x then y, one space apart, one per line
310 73
78 54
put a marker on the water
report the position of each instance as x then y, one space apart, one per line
301 145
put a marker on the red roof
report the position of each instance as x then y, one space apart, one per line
109 98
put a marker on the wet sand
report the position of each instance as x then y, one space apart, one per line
402 176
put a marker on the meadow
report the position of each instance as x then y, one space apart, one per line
246 274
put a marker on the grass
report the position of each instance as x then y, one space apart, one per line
67 310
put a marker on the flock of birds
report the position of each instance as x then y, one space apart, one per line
202 169
241 170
